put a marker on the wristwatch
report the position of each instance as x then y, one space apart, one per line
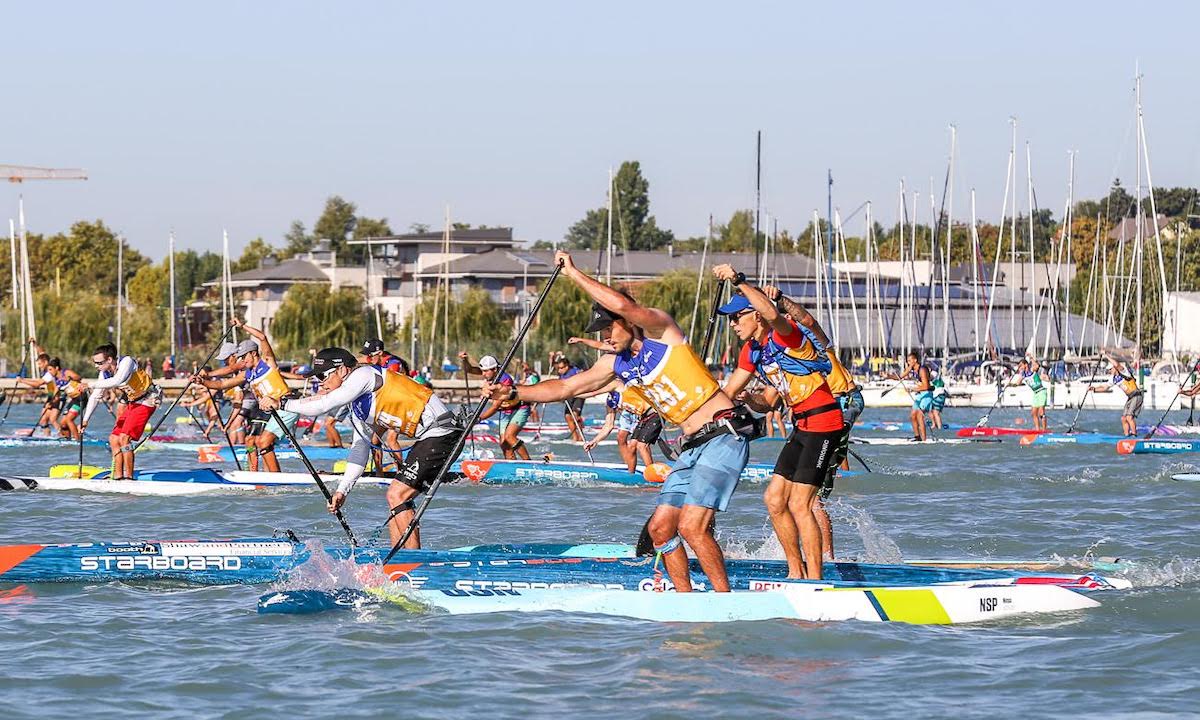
738 279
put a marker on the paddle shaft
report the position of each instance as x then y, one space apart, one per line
1083 399
1190 379
711 329
212 353
462 436
470 431
224 430
579 425
315 475
999 396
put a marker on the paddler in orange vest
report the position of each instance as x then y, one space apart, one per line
1134 396
674 380
256 369
791 361
849 397
381 400
138 396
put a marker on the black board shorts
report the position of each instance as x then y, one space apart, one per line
424 460
806 456
648 429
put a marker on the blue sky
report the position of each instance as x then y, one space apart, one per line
246 115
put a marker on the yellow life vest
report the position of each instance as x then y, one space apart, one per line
839 378
633 401
678 384
136 387
270 384
398 404
1129 384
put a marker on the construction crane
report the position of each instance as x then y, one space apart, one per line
21 283
21 173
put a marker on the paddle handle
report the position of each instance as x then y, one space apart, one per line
315 476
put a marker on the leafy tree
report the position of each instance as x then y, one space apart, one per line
296 240
675 293
252 255
69 335
192 270
369 227
634 228
737 235
315 316
336 223
476 324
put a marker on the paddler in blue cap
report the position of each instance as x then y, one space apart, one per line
647 350
381 400
789 358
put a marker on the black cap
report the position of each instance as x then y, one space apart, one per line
601 318
330 359
372 346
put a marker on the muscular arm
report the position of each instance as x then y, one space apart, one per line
766 309
654 322
762 402
588 342
805 318
361 380
230 382
264 345
610 421
581 383
737 382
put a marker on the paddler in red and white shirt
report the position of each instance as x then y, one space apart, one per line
790 360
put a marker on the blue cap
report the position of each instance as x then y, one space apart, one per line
736 304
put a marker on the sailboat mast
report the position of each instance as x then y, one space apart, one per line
946 268
120 286
171 290
12 257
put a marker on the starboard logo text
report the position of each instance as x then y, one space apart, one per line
130 563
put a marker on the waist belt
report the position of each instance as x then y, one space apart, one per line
735 421
816 411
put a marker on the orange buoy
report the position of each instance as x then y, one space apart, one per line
656 472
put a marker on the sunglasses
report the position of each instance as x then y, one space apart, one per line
739 316
98 363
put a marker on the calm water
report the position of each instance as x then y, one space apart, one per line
111 650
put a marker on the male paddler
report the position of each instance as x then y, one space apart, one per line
1134 396
381 400
648 350
256 369
791 361
921 394
138 396
513 414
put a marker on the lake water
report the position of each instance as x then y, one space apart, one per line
181 652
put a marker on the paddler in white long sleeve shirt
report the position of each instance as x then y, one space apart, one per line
381 400
138 397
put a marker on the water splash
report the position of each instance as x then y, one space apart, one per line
877 546
1087 476
1176 572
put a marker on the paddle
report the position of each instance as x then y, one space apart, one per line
858 457
224 429
1083 399
462 436
1190 379
11 389
999 396
197 423
579 424
469 430
80 453
315 476
182 392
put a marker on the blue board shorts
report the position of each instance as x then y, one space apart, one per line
518 417
289 420
923 401
627 421
706 475
939 401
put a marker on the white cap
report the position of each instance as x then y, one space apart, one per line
487 362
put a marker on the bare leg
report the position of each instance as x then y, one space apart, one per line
628 453
694 522
800 505
822 517
266 445
776 500
643 451
664 525
397 494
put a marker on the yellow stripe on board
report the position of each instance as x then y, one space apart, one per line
912 606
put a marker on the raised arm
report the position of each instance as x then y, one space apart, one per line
469 367
588 342
797 312
264 345
654 322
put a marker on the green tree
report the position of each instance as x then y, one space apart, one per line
313 316
366 227
675 293
252 255
634 228
336 223
296 240
192 270
475 324
737 235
